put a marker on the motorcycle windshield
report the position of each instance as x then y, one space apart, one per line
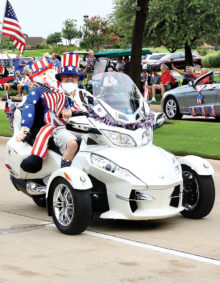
117 90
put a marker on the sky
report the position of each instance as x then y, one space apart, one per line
42 17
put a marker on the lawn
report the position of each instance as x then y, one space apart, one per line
190 137
4 125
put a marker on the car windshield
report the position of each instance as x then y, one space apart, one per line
118 91
167 57
157 57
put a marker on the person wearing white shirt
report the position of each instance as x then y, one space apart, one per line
23 84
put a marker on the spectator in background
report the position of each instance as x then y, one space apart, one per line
1 69
155 79
119 64
126 65
90 65
18 62
167 80
30 62
203 72
145 80
14 84
56 63
188 74
46 55
23 84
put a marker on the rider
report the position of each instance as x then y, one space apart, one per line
77 100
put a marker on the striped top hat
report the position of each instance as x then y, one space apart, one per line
40 66
70 65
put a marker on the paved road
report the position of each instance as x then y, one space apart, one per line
33 250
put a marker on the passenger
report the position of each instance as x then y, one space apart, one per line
203 72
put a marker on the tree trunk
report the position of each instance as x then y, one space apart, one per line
188 55
137 39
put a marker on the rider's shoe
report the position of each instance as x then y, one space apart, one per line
32 164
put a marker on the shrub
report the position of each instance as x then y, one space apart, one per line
203 51
211 60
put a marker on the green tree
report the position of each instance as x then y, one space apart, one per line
183 23
98 33
69 31
54 38
123 18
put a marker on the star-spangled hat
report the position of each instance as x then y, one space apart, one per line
40 66
70 65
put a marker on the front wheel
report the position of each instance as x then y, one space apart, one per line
171 108
198 194
71 208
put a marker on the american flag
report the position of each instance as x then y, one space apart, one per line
54 98
12 28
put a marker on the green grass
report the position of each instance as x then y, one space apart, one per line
4 125
190 137
30 53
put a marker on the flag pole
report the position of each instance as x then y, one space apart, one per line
3 22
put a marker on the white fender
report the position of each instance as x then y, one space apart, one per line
78 179
198 164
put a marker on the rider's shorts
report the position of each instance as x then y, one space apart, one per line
61 136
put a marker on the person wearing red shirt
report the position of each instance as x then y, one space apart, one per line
203 72
1 68
167 80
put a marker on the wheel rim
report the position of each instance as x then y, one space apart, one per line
171 108
63 204
190 190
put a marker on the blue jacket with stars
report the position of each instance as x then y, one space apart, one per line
28 113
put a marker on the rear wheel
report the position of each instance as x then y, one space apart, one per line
171 108
71 208
198 194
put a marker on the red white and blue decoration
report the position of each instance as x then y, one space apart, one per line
12 28
40 66
10 108
70 65
206 111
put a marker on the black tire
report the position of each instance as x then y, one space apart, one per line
75 204
40 200
171 108
198 194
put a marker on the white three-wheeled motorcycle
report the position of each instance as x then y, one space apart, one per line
118 173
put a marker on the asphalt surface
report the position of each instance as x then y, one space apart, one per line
168 250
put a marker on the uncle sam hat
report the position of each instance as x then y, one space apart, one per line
69 66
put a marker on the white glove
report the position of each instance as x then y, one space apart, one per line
22 134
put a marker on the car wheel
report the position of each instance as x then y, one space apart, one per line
171 108
71 208
40 200
198 194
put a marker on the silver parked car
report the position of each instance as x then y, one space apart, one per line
196 99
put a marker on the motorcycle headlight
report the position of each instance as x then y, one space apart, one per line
147 136
119 138
110 166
